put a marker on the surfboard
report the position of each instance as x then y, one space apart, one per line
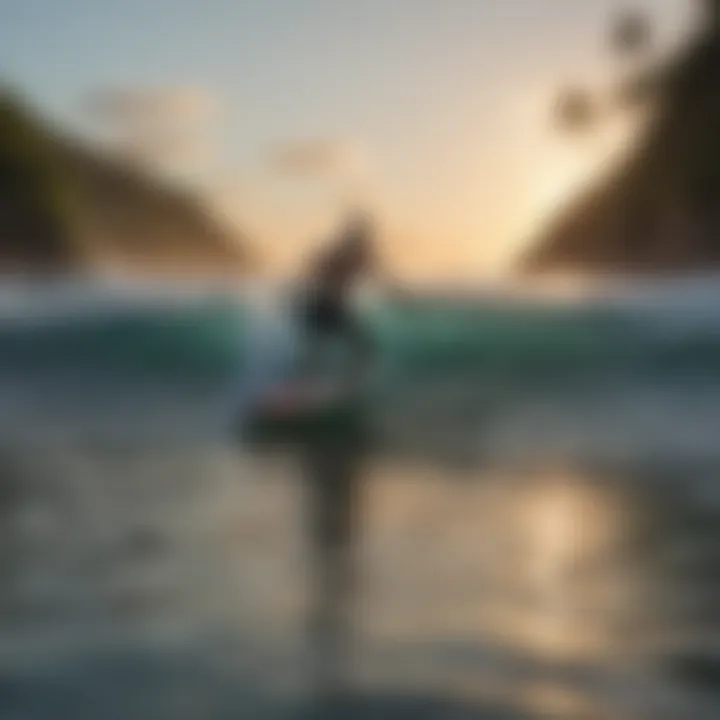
300 411
317 393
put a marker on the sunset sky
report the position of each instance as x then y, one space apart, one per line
434 113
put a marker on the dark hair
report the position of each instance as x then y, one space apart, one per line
359 227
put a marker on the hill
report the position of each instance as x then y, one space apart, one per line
65 207
659 211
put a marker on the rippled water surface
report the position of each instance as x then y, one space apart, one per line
531 532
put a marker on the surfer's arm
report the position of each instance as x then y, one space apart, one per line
388 282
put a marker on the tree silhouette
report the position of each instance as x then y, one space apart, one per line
630 34
712 14
575 111
579 110
657 210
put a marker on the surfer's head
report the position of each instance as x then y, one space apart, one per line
359 230
351 253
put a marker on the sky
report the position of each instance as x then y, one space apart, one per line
432 114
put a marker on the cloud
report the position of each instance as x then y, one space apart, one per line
149 105
170 128
167 151
319 158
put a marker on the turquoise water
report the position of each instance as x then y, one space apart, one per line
608 374
213 334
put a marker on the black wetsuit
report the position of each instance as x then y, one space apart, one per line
326 316
327 308
325 313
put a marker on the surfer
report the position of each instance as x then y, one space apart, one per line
327 311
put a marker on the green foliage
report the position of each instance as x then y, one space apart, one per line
630 34
32 179
659 209
575 111
712 14
65 206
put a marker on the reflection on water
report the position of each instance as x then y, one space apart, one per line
148 582
572 565
553 584
332 478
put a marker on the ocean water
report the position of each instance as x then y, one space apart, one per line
530 530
